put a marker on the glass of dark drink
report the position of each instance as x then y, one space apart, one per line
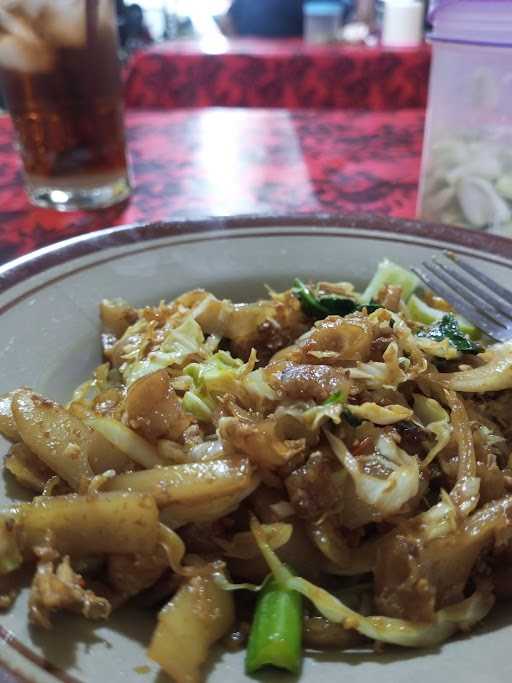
60 72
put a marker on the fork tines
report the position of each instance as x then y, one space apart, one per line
479 298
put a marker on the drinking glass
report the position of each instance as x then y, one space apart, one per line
60 73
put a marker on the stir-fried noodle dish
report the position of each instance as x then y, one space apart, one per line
323 468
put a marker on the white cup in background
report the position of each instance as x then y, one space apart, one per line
402 24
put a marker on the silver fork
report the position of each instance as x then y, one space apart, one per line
479 298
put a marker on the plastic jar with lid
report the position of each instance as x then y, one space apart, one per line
321 21
466 174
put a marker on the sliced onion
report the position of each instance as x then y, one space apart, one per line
381 415
465 494
495 375
178 514
128 441
244 547
344 561
282 509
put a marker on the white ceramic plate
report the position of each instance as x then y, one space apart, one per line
49 327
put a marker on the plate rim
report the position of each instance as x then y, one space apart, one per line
21 269
16 271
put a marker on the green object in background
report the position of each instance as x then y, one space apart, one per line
338 397
389 273
420 311
331 304
352 420
448 328
276 632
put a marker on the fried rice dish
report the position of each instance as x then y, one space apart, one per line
324 468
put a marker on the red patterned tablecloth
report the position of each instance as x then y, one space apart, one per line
221 162
277 73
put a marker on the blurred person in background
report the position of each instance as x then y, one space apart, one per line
133 33
264 18
135 26
365 12
279 18
121 21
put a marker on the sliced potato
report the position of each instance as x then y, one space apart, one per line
116 316
26 468
10 555
56 437
62 441
197 616
7 422
104 523
190 483
131 574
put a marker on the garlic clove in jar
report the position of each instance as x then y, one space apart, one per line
504 186
439 201
480 203
449 153
504 230
487 167
453 216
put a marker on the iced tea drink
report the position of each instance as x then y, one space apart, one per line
60 74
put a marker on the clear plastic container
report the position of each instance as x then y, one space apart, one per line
321 21
466 175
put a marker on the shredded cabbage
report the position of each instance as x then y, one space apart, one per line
217 372
232 321
258 388
439 349
387 374
409 348
220 374
381 415
179 344
488 437
436 420
439 521
387 495
199 406
92 387
311 417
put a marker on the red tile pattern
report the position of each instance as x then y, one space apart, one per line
278 73
219 162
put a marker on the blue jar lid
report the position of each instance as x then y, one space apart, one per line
321 9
